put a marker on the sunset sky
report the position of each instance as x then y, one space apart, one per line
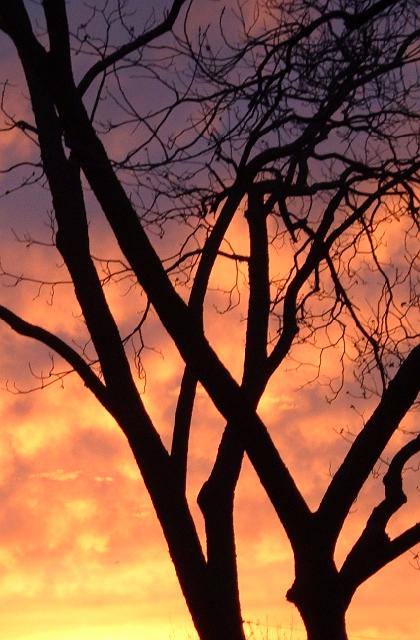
81 552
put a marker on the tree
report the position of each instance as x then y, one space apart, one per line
304 123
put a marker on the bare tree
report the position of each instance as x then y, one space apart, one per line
303 122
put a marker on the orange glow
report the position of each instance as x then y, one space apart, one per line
81 553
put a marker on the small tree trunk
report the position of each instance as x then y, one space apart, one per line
217 508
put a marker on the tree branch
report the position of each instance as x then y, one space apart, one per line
369 444
141 41
373 550
24 328
259 296
184 408
178 321
182 424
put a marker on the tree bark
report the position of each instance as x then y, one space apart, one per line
319 592
216 501
322 611
322 626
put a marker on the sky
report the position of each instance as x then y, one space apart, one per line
81 553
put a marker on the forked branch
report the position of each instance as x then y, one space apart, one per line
374 549
369 444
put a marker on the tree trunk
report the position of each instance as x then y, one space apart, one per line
216 501
217 626
320 597
221 561
325 623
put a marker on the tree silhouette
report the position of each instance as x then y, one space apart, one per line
301 119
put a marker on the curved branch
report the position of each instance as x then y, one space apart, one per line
185 404
24 328
374 549
216 497
394 494
182 424
142 40
399 396
313 259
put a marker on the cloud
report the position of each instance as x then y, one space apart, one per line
59 475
